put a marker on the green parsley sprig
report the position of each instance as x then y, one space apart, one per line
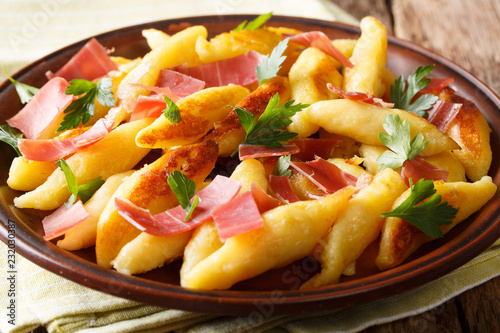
82 109
270 129
10 136
84 191
171 112
24 91
398 140
403 92
427 215
184 189
271 63
254 24
282 167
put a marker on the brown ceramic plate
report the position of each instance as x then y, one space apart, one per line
271 293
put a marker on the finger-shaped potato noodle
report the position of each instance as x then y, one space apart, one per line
148 188
155 37
289 233
472 132
199 112
26 175
83 235
229 133
369 58
400 238
308 78
117 152
346 117
177 50
357 226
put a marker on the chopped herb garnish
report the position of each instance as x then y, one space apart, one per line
10 136
24 91
171 112
282 166
402 93
82 109
427 215
271 63
270 129
84 191
184 189
398 140
254 24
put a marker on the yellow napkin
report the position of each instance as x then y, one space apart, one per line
44 298
32 29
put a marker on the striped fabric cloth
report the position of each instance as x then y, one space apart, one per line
30 29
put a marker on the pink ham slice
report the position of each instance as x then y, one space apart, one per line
247 151
181 85
327 176
320 41
281 188
442 114
89 63
238 70
54 149
436 85
217 193
311 148
418 168
45 107
63 219
243 213
358 96
146 106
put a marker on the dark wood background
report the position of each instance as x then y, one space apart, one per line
468 33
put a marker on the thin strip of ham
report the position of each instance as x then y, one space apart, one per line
89 63
217 193
54 149
63 219
310 148
243 213
239 70
319 40
180 84
418 168
146 106
327 176
43 109
442 114
358 96
436 85
281 188
247 151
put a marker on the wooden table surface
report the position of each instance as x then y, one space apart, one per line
467 33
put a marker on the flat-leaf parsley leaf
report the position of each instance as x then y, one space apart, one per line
171 112
24 91
10 136
271 63
184 189
398 140
427 215
270 129
254 24
82 109
403 92
84 191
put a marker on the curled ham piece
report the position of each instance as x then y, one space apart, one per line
319 40
180 85
418 168
243 213
281 188
442 114
63 219
147 106
54 149
170 222
327 176
43 110
247 151
358 96
239 70
89 63
436 85
310 148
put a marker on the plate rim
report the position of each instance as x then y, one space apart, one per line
239 302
